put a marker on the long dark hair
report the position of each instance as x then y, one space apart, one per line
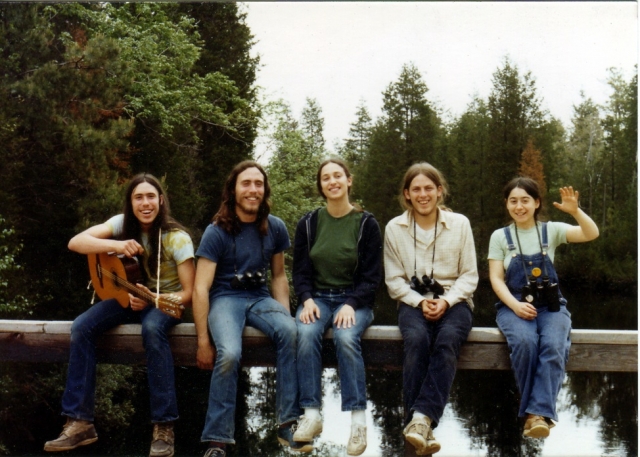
530 186
164 221
431 172
226 217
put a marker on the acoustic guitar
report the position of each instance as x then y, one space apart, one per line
115 276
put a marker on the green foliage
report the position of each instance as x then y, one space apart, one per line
296 153
355 147
105 90
89 95
486 145
31 396
585 149
408 131
469 147
13 301
226 42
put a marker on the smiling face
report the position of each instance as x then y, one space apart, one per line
423 195
522 207
334 182
249 194
145 202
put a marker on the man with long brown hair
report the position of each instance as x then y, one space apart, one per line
237 249
430 269
146 230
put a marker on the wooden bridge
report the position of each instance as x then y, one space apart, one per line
485 349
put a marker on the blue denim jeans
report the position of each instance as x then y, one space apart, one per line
228 315
539 350
348 350
431 351
78 400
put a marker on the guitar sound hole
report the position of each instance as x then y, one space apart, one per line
115 279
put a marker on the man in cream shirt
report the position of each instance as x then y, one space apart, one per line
431 270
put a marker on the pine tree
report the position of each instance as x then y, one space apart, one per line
356 146
468 149
409 131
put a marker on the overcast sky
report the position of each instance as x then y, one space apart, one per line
343 53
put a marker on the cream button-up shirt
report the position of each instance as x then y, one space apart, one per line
454 267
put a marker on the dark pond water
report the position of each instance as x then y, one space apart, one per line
598 411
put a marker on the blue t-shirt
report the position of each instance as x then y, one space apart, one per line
251 253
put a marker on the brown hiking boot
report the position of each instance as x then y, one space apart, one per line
163 438
75 433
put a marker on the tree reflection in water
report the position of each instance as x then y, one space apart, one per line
485 403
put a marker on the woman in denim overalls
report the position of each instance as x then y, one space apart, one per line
532 312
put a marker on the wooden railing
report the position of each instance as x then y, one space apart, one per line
485 349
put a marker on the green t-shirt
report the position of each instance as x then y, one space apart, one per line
335 250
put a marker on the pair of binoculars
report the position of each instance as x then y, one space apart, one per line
425 285
249 280
541 294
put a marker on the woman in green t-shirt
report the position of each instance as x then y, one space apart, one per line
336 271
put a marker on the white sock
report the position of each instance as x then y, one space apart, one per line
419 415
358 417
312 413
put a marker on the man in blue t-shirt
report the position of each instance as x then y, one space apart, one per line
237 249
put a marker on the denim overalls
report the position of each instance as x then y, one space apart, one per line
539 348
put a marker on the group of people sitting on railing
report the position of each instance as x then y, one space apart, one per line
429 267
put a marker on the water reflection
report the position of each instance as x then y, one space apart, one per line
598 411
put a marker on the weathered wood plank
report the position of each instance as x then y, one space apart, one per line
377 332
41 341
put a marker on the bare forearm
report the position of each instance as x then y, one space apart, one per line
587 225
280 290
200 302
87 244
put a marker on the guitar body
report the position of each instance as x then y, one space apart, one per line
114 276
123 271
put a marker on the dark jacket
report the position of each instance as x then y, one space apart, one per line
368 272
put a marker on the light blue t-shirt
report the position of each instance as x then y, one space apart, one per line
498 249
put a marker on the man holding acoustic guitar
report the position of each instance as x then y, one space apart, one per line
132 256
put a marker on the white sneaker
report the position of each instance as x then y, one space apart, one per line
357 440
307 429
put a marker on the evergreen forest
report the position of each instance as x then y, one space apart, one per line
91 94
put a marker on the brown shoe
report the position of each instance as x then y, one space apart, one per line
75 433
163 439
536 427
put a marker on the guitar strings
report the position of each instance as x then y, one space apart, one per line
127 285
